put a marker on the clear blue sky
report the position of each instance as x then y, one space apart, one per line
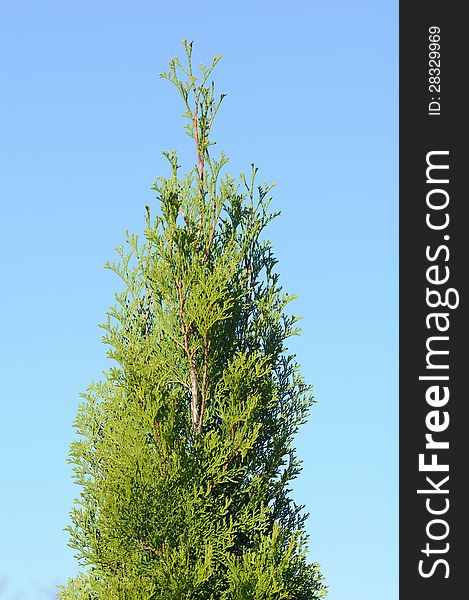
312 100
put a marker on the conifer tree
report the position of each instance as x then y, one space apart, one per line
184 454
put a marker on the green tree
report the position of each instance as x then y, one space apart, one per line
184 456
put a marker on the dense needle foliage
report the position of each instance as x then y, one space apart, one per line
184 453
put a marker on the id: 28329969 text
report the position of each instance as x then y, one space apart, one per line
434 70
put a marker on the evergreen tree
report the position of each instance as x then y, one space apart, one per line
184 456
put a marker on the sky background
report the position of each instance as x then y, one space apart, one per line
312 100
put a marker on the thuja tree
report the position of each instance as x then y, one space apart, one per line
184 454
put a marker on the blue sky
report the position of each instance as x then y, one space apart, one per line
312 100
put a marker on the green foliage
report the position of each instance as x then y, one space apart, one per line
184 456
